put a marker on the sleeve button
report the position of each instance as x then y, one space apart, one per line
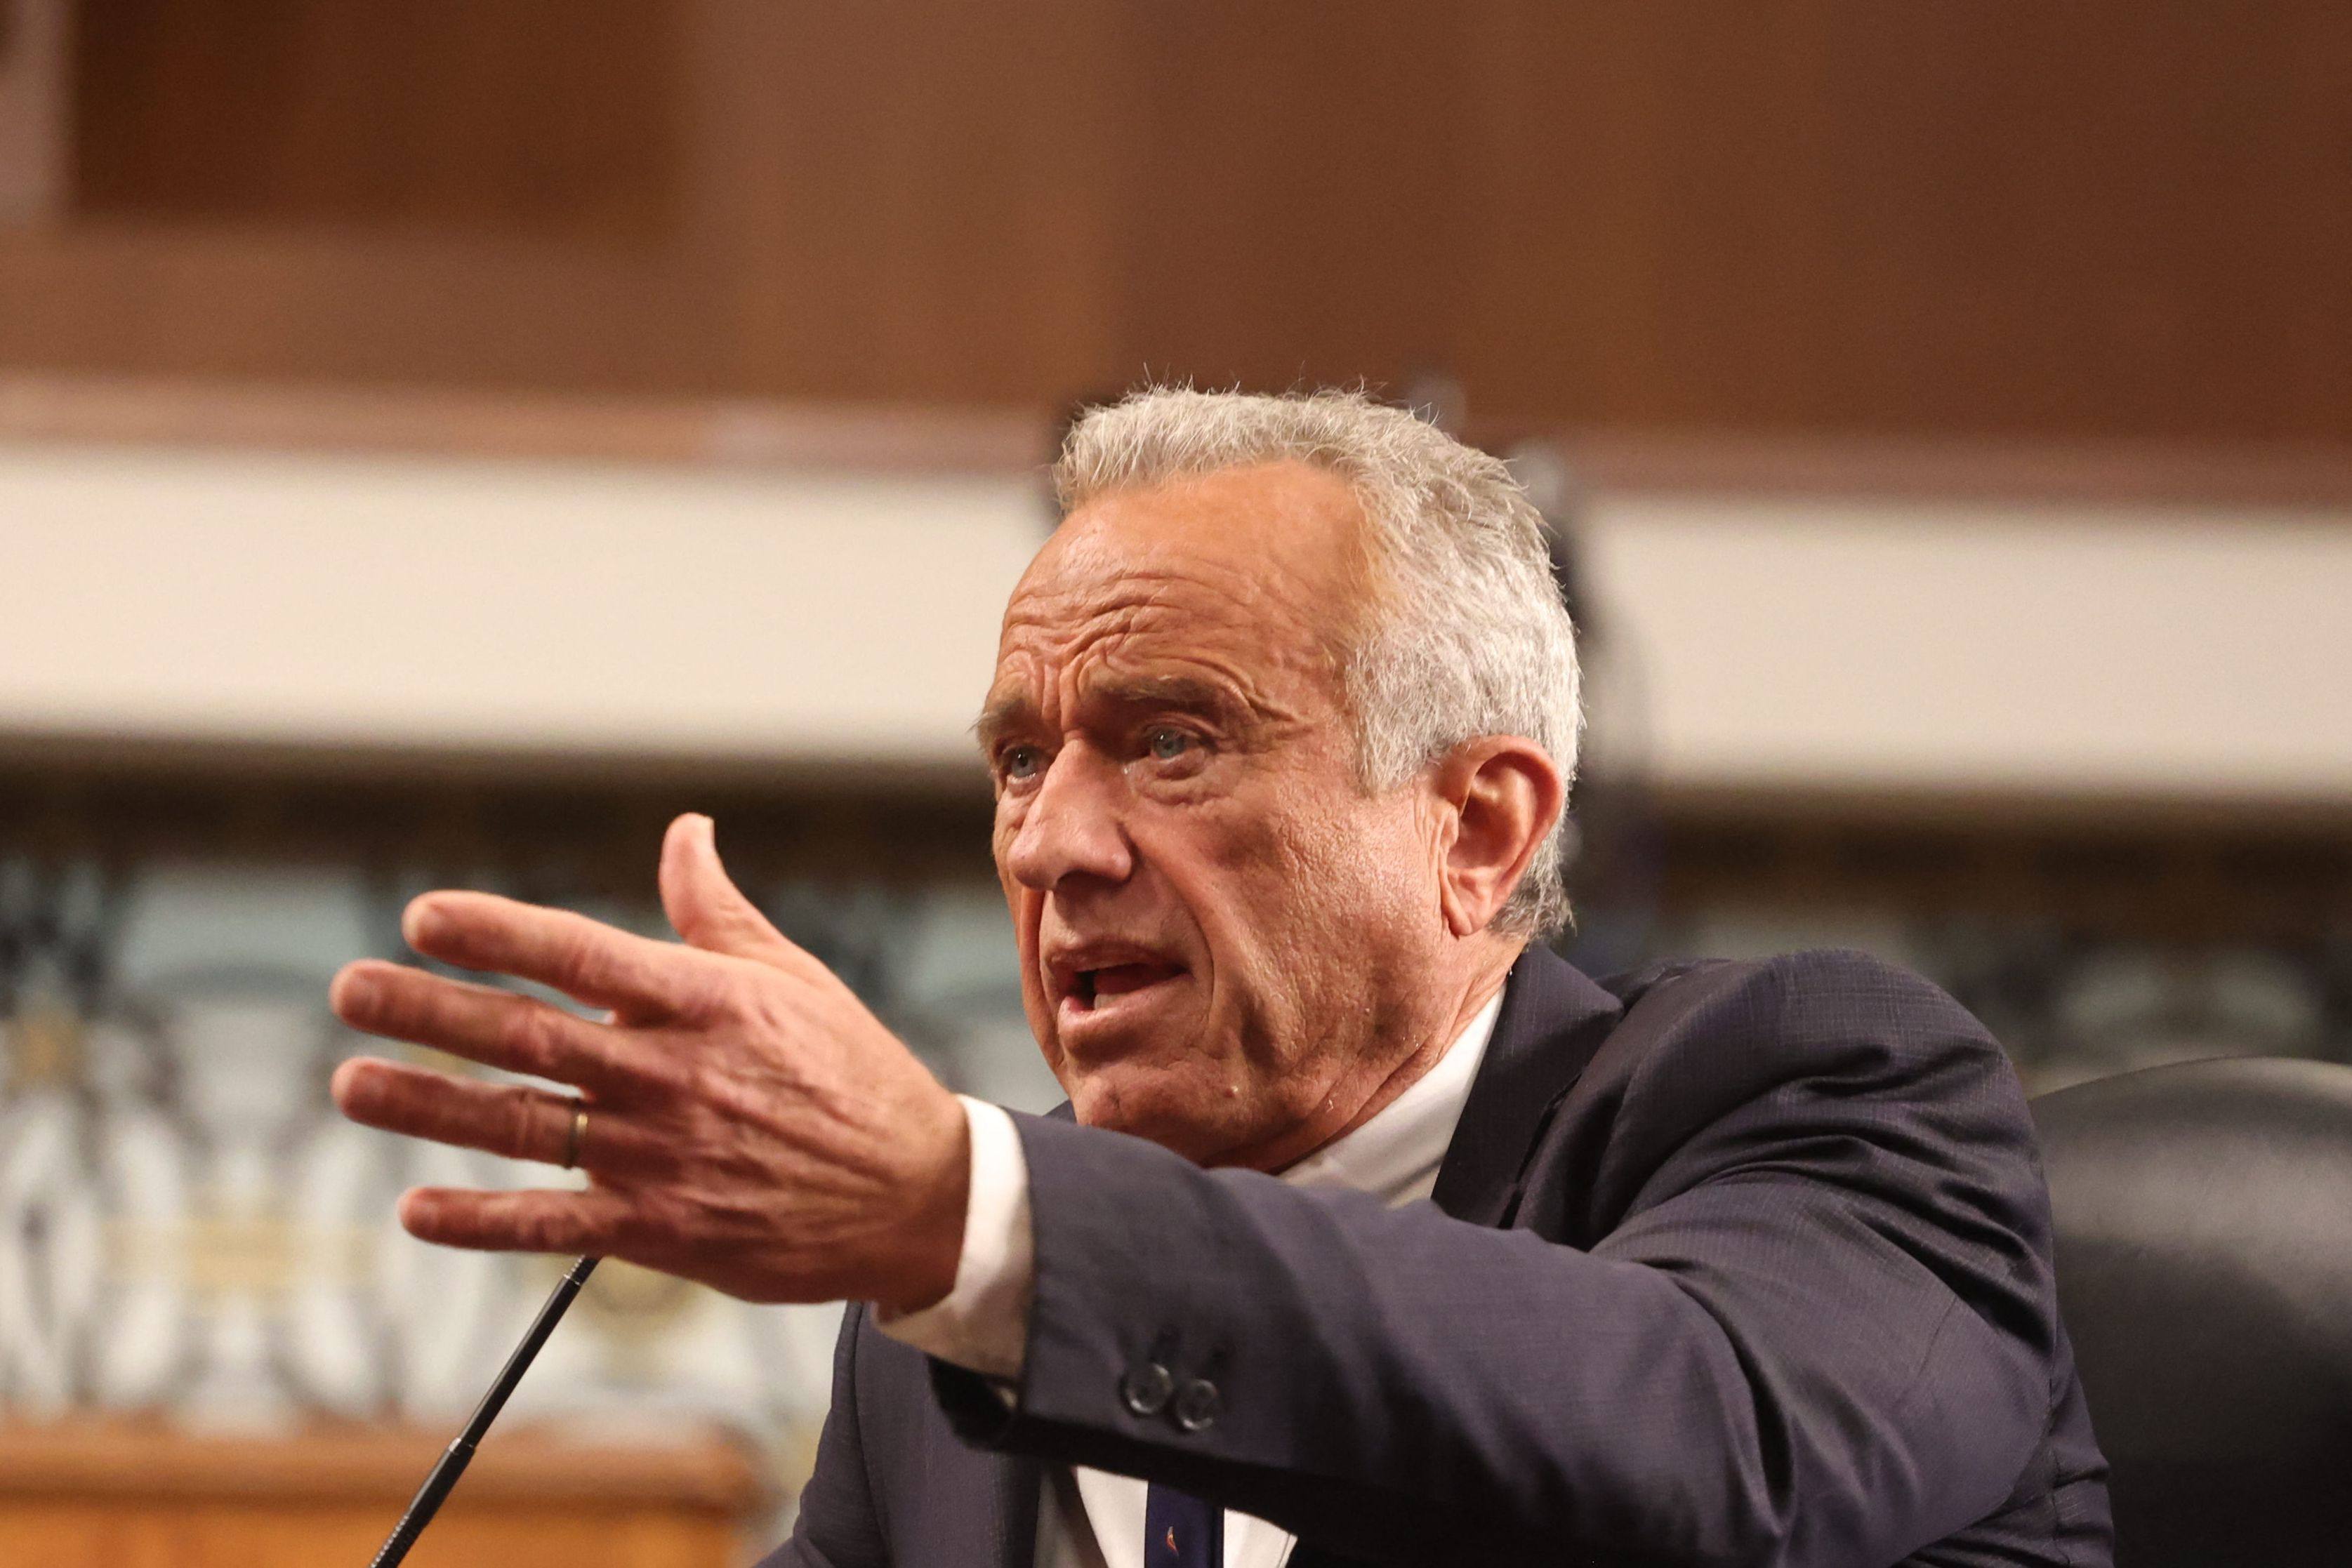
1199 1404
1145 1389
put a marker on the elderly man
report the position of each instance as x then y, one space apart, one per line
1374 1232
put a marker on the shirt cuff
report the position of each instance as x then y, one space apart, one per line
982 1324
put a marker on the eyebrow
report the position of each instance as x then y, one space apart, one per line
1001 718
1184 693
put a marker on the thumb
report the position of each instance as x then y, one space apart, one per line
705 905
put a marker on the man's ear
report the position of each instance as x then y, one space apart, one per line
1503 795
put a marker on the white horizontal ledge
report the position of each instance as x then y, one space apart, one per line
411 603
803 618
2163 654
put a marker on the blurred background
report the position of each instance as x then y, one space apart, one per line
439 440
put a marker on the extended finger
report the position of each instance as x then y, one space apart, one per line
709 911
529 1221
598 964
481 1023
511 1119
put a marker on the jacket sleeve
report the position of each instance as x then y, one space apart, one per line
1819 1334
839 1525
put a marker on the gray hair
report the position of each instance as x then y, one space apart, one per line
1473 639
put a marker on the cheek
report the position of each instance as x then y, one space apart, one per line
1307 900
1020 902
1370 861
1026 908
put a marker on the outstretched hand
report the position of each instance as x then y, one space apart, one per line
750 1125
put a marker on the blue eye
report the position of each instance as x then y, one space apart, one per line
1019 761
1167 745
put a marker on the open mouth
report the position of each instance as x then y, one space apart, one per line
1090 989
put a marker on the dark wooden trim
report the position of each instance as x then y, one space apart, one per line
2110 472
2006 810
2210 873
262 760
598 820
888 438
928 439
703 1474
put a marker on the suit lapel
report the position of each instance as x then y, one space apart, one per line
1551 1021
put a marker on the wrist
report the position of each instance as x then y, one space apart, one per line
929 1242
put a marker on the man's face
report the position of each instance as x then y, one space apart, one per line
1217 923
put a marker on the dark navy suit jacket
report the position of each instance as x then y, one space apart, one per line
1729 1263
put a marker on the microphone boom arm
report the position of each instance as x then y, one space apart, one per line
460 1452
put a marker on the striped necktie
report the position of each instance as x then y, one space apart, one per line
1181 1532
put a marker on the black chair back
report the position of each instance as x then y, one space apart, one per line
2204 1242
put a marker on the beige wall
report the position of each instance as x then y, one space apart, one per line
496 607
803 618
1924 646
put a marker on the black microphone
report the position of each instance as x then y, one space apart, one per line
454 1459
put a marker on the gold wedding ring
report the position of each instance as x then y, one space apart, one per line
575 1137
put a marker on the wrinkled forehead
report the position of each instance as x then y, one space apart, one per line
1262 571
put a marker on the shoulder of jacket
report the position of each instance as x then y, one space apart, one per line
1825 973
1826 1006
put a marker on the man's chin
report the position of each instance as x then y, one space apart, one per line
1162 1104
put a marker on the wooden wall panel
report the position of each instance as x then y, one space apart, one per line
910 200
332 305
36 101
1287 210
2112 219
2097 220
496 115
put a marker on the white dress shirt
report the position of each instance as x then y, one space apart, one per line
982 1324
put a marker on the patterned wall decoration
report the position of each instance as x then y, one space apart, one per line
188 1229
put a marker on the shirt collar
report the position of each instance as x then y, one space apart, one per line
1395 1156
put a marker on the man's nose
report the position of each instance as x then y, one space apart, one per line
1071 829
